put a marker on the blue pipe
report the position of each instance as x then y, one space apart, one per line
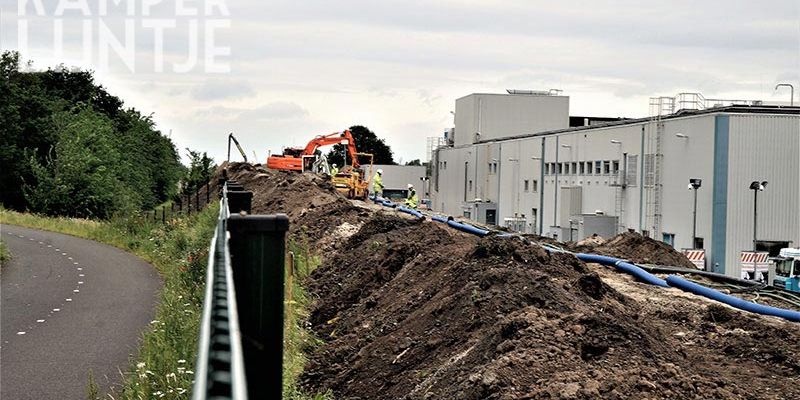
732 301
411 211
467 228
439 219
624 266
389 204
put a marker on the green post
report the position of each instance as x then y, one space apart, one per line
257 248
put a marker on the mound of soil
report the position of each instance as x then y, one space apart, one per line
637 248
409 310
314 207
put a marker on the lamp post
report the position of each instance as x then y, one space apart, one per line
694 184
756 187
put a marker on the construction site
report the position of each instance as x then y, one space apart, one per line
415 304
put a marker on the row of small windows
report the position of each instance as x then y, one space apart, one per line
582 168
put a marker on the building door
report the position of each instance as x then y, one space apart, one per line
491 217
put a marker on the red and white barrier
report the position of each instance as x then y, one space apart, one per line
697 257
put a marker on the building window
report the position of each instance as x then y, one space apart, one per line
588 168
445 165
535 185
566 168
470 185
615 166
598 167
534 214
583 168
560 168
525 185
574 168
669 238
606 167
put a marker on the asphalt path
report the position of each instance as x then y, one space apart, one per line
68 306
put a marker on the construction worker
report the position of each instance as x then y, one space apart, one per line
412 199
334 169
377 183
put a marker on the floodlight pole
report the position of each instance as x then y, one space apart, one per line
694 221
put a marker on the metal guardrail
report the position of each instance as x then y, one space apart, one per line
240 349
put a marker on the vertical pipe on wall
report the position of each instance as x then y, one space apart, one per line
541 192
555 188
641 182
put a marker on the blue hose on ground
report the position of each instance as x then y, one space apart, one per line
439 219
732 301
467 228
389 204
624 266
411 211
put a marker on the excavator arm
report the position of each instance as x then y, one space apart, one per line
334 138
238 146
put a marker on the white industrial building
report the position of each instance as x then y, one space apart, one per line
519 160
397 177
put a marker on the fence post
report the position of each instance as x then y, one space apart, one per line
189 204
163 214
258 251
208 191
197 200
155 215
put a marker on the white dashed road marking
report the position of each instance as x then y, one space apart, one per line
55 310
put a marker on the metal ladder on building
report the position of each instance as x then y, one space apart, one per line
657 178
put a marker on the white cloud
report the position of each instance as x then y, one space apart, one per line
302 68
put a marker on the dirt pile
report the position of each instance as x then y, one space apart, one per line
314 207
411 310
637 248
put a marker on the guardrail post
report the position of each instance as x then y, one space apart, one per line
239 201
257 248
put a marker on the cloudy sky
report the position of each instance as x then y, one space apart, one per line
294 69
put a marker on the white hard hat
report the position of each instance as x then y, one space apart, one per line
410 186
380 171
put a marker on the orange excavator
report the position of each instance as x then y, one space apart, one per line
350 180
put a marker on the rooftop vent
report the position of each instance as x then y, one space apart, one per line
551 92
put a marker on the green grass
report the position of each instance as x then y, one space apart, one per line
5 255
179 250
298 340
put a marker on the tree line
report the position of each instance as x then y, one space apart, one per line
70 148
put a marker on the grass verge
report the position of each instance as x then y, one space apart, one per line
5 255
298 339
179 250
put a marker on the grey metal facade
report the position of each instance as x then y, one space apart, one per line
638 171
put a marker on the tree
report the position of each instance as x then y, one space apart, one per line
201 169
58 124
81 175
415 163
366 142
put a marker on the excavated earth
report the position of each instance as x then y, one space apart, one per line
414 310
